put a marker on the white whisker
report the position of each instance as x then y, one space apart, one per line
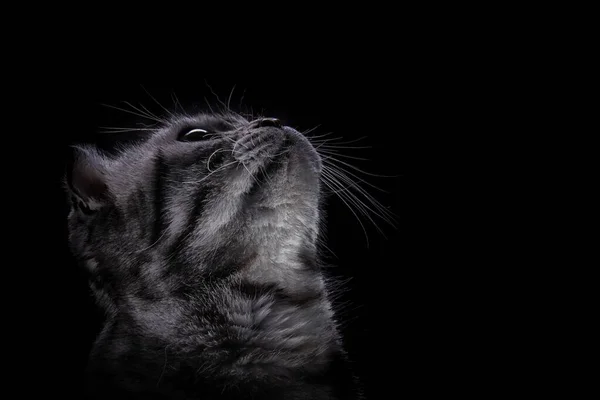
208 161
156 101
250 173
134 113
222 167
214 94
148 111
360 170
325 141
117 129
209 106
145 111
359 205
327 161
305 133
242 98
337 154
229 99
336 147
153 244
176 102
381 212
327 183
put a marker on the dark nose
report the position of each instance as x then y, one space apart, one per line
264 122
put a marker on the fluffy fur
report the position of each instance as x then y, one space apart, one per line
203 256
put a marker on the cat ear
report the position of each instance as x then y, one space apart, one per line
87 179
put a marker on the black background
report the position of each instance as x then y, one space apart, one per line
387 326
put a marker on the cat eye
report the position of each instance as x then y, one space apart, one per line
193 135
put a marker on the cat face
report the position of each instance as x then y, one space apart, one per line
204 196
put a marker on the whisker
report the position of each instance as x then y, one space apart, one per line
214 94
242 98
381 212
352 211
327 161
144 112
134 113
153 125
305 133
345 191
208 161
322 244
360 170
209 106
329 146
222 167
347 142
148 111
344 173
109 132
235 143
123 129
176 102
280 153
250 173
153 244
215 136
337 191
157 102
337 154
360 206
229 99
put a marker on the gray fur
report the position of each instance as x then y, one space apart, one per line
203 256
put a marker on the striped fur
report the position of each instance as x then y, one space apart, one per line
203 256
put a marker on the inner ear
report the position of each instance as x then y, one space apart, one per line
87 179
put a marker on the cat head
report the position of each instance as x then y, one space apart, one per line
202 196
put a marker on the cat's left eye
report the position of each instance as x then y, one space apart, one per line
193 135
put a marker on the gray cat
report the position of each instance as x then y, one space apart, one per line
201 244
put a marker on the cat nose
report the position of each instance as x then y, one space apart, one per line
264 122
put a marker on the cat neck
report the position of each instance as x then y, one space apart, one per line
225 329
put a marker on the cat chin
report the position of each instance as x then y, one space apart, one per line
305 148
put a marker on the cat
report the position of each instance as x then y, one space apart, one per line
200 241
